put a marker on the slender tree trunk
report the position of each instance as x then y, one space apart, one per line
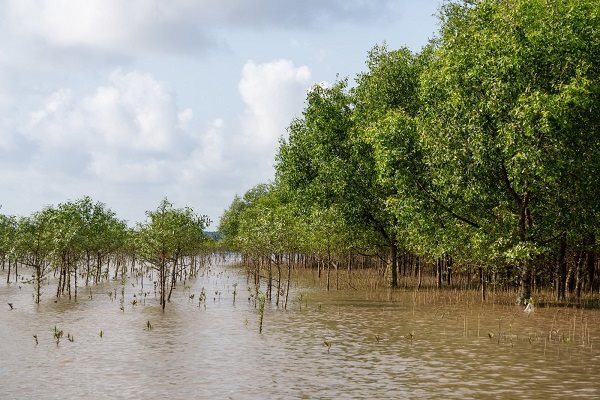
526 275
394 264
38 281
173 275
439 272
449 270
591 264
279 281
526 265
578 276
319 270
68 267
116 269
328 266
349 266
87 273
98 267
163 283
419 267
482 284
75 280
287 290
60 276
270 277
337 276
561 276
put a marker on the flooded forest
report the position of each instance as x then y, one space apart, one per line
431 231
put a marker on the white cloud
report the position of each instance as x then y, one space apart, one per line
184 118
128 135
126 127
126 26
108 25
273 93
133 111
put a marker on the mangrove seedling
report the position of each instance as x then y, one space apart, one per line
327 344
58 334
261 310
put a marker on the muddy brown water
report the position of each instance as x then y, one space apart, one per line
337 344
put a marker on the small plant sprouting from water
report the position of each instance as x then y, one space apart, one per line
58 334
327 344
70 338
234 292
302 297
202 298
101 334
261 310
148 326
36 339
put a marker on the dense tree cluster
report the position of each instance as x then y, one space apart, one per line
480 150
81 242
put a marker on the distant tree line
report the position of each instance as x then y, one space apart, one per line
480 153
80 243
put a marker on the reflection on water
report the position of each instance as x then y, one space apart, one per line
341 344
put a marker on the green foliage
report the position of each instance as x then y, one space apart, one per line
485 145
170 233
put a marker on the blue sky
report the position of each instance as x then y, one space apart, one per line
132 101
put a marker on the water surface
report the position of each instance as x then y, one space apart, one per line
337 344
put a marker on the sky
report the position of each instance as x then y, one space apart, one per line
132 101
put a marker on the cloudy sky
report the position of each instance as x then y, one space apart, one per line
131 101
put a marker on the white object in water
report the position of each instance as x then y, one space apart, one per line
529 309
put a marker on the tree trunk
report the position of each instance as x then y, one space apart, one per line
526 272
38 282
287 290
163 283
482 283
419 267
578 275
87 273
98 267
270 282
75 280
439 272
173 276
449 270
561 276
349 267
60 275
591 264
394 264
279 281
